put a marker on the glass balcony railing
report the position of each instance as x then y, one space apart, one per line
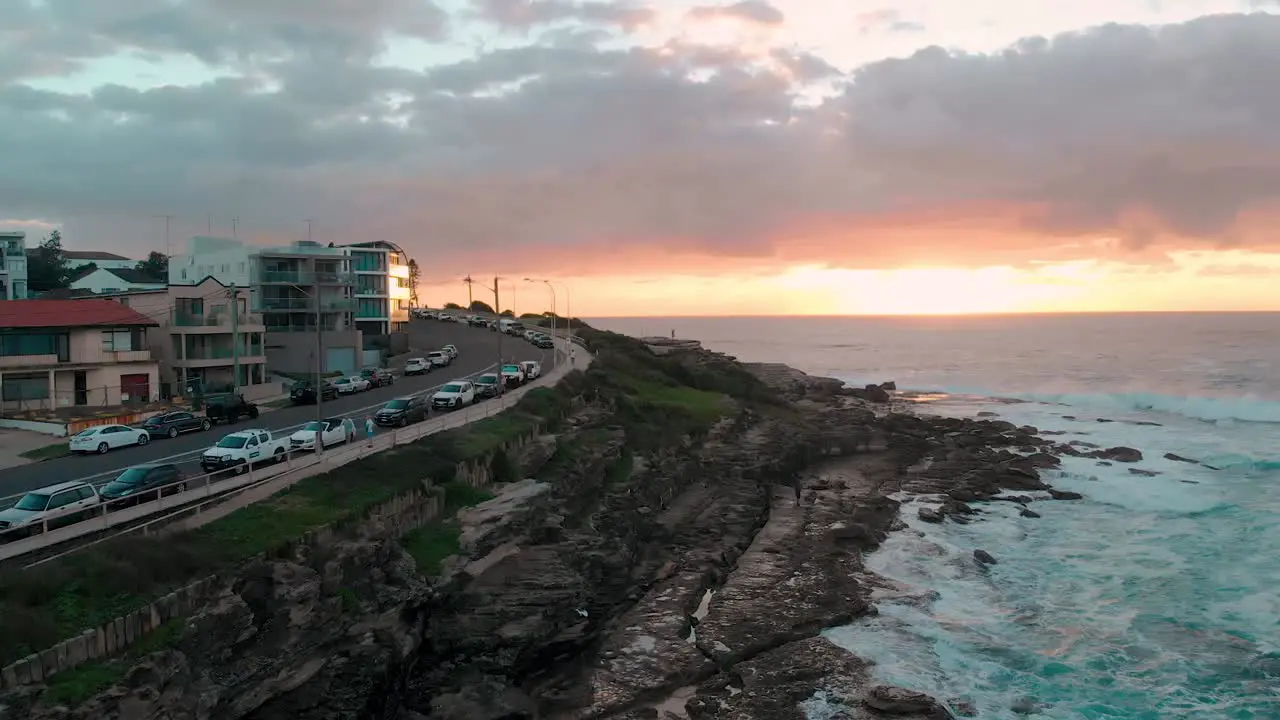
216 319
305 278
282 276
222 353
286 304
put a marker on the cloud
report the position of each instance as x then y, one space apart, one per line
1115 142
885 19
525 14
753 11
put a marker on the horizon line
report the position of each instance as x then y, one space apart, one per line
896 316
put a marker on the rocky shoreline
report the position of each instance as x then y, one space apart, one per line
693 585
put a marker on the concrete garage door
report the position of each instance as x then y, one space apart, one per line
341 359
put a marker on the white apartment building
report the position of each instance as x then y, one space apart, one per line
381 287
13 266
104 260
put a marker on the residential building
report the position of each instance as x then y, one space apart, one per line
207 332
112 280
66 353
106 260
286 283
13 266
381 287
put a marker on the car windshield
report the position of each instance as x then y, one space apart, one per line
342 381
314 425
131 477
233 441
32 502
487 379
397 405
436 354
511 368
414 361
451 388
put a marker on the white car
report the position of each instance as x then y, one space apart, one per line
417 366
513 375
532 369
333 431
439 358
353 384
239 450
102 438
59 505
452 350
454 394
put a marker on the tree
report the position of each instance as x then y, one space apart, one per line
481 306
414 276
508 313
47 265
157 264
452 306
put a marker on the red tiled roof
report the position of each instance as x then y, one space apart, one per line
89 312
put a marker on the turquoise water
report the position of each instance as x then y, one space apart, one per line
1155 597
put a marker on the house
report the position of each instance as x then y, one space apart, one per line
76 258
65 353
207 334
13 265
108 280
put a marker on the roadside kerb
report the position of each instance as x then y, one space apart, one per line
262 481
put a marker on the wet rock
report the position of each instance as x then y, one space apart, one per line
1104 420
1118 454
962 707
1028 513
894 700
984 558
1043 460
1178 458
1065 495
1143 473
930 515
987 414
1025 706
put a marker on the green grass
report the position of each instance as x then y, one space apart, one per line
48 452
430 544
73 687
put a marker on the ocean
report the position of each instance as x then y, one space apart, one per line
1155 597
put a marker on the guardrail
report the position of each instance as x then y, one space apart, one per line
192 494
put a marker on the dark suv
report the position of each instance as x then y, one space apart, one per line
304 393
378 377
228 408
170 424
402 411
142 483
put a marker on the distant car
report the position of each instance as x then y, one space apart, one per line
439 358
513 374
417 366
333 431
452 350
454 394
544 343
352 384
402 411
462 319
61 505
532 369
488 385
378 377
304 393
171 424
228 407
141 483
104 438
478 322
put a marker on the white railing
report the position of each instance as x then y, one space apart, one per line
191 495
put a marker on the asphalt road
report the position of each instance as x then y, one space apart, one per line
477 353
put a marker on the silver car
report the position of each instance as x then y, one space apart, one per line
52 507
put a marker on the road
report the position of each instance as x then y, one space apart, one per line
477 352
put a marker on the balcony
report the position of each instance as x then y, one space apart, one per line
286 304
220 357
304 278
28 361
217 321
121 356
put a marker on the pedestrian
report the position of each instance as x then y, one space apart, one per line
573 355
798 486
369 428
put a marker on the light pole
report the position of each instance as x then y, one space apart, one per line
552 288
319 388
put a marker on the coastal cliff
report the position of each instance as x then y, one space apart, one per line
671 544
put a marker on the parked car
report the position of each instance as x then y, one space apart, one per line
228 407
141 483
488 385
61 505
104 438
240 450
544 343
333 431
402 411
477 321
304 392
171 424
532 369
513 374
378 377
454 394
452 350
439 358
352 384
417 366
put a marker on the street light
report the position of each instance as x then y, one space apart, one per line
568 310
319 388
552 288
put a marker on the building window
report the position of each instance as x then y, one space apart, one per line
25 386
17 344
117 340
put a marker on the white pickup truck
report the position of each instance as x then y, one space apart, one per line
240 450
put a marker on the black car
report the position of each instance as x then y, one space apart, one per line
488 385
228 408
304 393
402 411
171 424
378 377
142 483
544 343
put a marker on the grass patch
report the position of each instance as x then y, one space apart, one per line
430 544
73 687
48 452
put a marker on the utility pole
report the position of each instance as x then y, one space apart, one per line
235 338
502 383
315 290
469 283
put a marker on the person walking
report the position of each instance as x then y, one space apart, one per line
798 486
369 428
573 355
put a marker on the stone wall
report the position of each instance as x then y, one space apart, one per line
394 518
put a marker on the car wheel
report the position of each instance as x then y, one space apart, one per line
242 468
205 424
143 439
404 421
278 456
173 432
253 413
103 448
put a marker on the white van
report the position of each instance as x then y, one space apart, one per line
510 327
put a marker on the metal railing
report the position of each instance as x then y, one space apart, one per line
190 495
306 277
304 305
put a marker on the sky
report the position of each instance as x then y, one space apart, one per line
672 157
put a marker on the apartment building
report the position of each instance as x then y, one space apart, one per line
207 334
69 353
112 280
381 287
13 265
